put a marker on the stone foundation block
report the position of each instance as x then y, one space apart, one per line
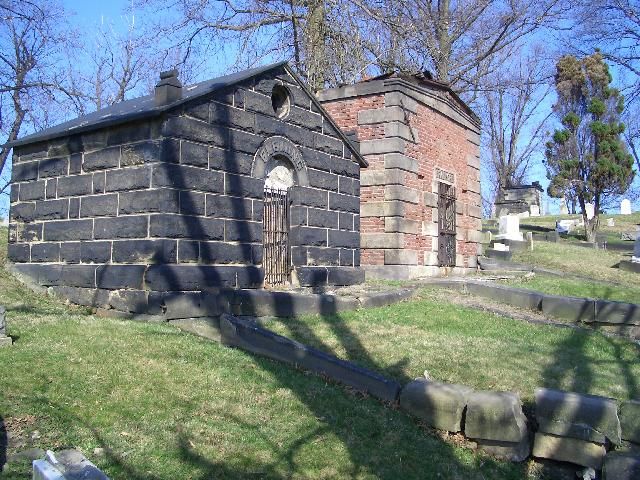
400 257
440 405
585 417
621 466
495 416
565 449
630 420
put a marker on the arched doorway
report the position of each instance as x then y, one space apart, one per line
280 177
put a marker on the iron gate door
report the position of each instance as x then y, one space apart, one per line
446 225
275 234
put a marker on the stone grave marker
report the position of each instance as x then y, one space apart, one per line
563 207
509 228
625 207
4 339
589 210
611 222
534 210
636 251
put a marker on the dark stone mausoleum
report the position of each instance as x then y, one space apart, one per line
239 182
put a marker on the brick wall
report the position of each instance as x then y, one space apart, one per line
406 137
170 204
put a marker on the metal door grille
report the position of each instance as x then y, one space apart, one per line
275 234
446 225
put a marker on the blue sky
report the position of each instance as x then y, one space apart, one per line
87 13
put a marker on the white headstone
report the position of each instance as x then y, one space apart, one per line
509 228
611 222
625 207
565 226
501 247
534 210
523 215
588 209
563 207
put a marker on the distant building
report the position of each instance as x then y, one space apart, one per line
518 199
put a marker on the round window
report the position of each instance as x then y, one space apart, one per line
280 101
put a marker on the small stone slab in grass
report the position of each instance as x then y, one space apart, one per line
621 466
495 416
566 449
585 417
630 420
440 405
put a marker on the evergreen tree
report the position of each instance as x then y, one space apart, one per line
586 158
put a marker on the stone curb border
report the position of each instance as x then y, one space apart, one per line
609 315
569 427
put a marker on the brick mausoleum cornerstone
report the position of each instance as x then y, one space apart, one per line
165 193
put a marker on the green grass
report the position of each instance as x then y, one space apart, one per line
623 223
573 287
600 265
483 350
165 405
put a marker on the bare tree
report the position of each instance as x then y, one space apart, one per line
514 120
33 36
458 39
323 39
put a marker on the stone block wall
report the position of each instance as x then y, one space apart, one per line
412 138
172 203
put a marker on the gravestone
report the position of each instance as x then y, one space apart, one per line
534 210
565 226
509 228
4 340
636 251
625 207
611 222
563 207
589 210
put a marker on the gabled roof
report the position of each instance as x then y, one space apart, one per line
144 108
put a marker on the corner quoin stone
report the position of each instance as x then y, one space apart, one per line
440 405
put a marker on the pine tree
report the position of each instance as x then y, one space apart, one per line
586 158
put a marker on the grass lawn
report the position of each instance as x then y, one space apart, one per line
164 404
573 287
601 265
480 349
168 405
